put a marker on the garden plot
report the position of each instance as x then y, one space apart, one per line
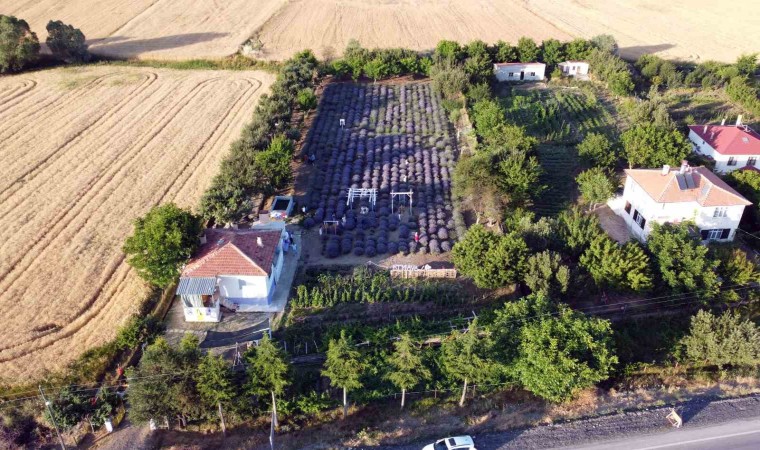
384 139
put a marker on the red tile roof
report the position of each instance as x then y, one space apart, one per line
708 190
729 139
234 252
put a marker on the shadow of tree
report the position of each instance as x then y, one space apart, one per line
637 50
126 46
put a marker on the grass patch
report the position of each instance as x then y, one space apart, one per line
236 62
561 165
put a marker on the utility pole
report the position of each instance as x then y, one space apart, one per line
52 418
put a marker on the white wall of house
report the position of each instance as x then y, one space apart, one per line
723 163
572 68
193 314
654 212
520 72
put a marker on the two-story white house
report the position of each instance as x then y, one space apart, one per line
234 268
674 195
517 71
731 146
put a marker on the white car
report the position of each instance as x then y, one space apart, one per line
452 443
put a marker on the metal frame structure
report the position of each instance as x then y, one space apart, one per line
407 193
353 193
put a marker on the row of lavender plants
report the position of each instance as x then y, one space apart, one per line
395 138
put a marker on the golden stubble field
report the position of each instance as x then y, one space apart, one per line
84 151
181 29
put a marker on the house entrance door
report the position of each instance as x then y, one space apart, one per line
522 75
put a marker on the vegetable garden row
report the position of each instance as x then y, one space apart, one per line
392 138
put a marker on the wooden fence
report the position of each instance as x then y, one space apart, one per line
415 272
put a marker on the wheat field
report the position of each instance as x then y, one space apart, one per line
84 152
697 30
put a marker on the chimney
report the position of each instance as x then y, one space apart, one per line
259 242
665 169
684 167
739 120
704 131
203 238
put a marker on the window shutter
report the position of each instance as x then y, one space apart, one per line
704 234
724 234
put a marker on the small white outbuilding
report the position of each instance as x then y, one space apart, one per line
531 71
574 68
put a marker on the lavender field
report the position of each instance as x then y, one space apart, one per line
394 138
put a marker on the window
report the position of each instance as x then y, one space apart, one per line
712 235
533 74
639 219
511 74
628 207
720 211
731 161
751 161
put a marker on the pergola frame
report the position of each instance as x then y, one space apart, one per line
361 193
407 193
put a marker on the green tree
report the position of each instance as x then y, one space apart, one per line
578 49
747 64
376 69
18 44
489 259
605 43
161 242
736 270
355 57
595 186
449 79
267 371
551 350
449 51
620 83
562 354
577 229
273 164
622 268
552 52
407 369
646 145
747 183
527 49
722 340
66 42
152 395
682 261
597 150
343 367
464 357
215 384
139 329
478 63
519 177
307 99
503 52
546 275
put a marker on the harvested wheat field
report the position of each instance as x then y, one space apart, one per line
184 29
84 152
703 29
163 29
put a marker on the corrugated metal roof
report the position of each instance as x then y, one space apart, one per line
196 286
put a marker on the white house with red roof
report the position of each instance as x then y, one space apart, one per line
237 269
731 146
517 71
668 195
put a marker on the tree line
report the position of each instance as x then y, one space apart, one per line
19 46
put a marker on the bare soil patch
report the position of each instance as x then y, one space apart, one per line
85 152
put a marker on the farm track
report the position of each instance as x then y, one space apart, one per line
158 136
15 93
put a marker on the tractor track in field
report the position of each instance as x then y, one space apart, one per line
85 313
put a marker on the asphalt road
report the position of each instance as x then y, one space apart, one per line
737 435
